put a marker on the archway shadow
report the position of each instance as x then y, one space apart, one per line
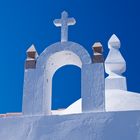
66 86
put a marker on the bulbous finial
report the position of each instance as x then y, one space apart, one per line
114 63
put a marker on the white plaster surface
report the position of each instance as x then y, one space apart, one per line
52 58
116 82
86 126
120 122
93 87
62 58
115 100
110 114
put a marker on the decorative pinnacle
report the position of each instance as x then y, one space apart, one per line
31 58
114 42
64 22
98 53
97 47
31 48
31 52
114 63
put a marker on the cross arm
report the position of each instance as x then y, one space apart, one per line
71 21
57 22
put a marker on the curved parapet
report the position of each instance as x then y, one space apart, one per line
76 48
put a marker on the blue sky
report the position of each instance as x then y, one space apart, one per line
30 21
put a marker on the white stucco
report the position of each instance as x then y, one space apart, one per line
115 100
62 58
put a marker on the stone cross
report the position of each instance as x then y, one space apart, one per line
64 22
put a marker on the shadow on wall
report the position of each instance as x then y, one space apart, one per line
66 86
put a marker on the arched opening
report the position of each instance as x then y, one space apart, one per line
54 63
66 87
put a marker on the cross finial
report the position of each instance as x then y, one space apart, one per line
64 22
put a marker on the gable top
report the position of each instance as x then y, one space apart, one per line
31 49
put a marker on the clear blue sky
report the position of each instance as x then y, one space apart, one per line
23 22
